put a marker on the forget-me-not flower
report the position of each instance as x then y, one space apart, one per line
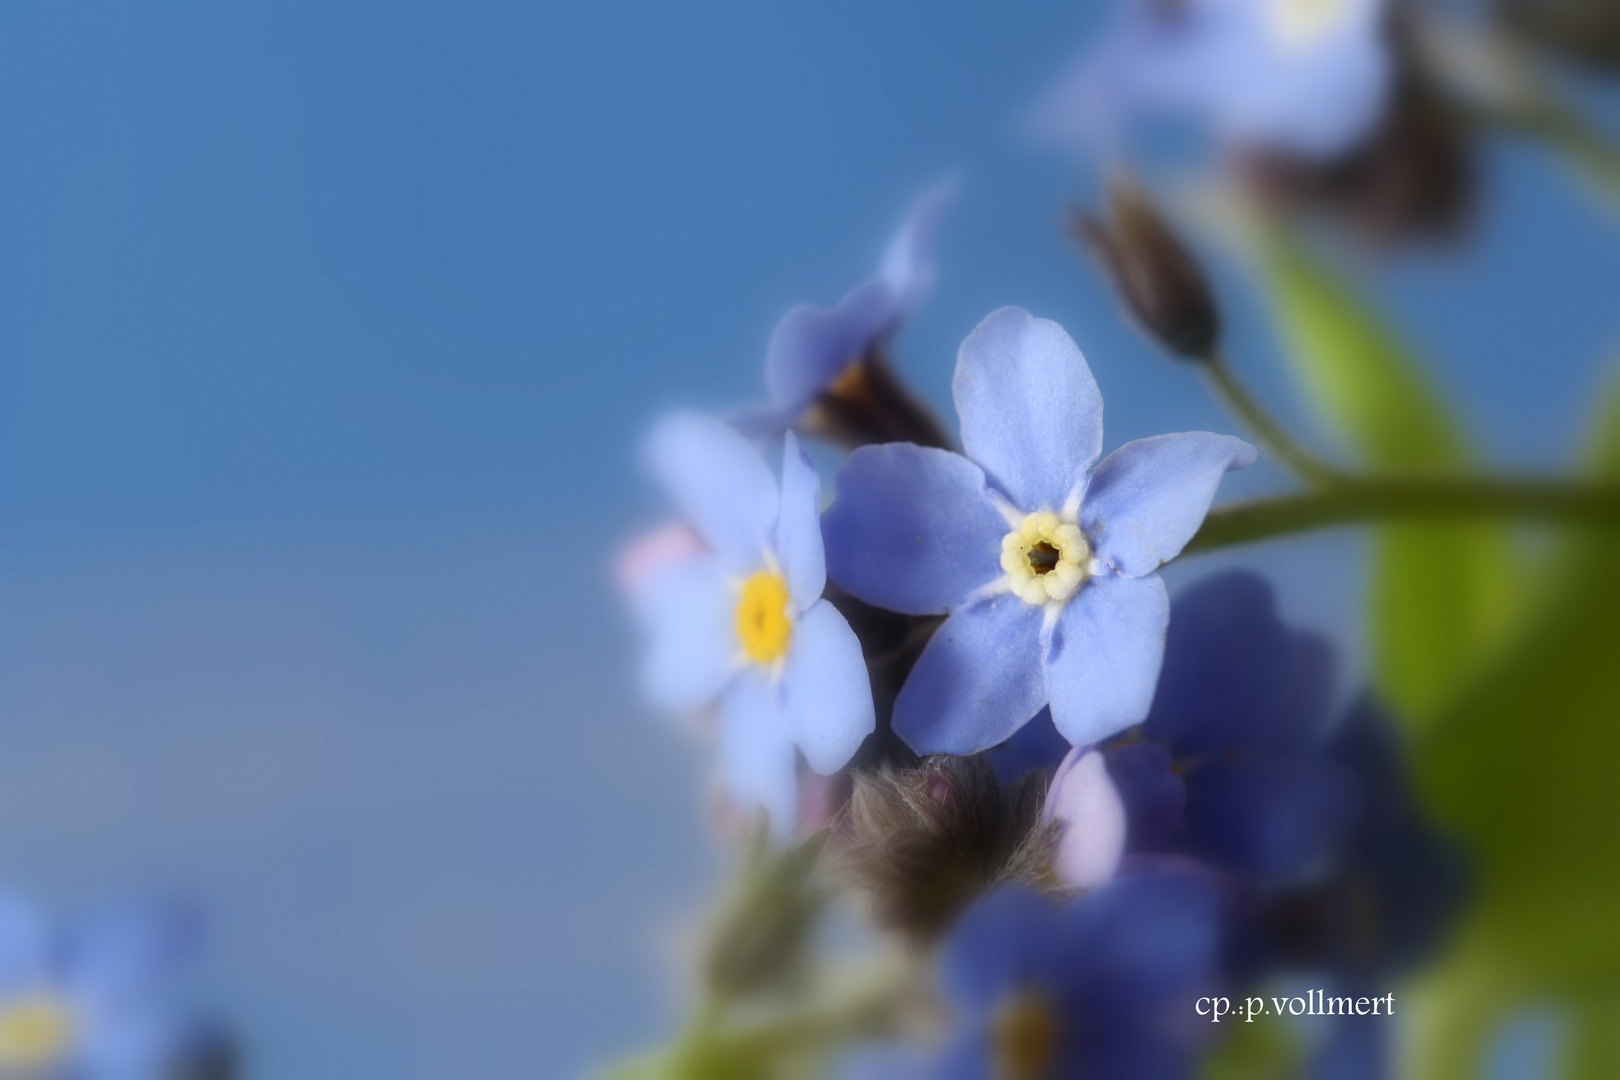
1047 570
1308 78
1101 986
744 625
86 1001
813 348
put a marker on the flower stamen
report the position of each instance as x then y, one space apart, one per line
763 625
1299 25
1045 558
36 1030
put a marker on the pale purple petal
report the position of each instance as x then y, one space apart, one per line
908 264
1083 800
756 749
798 527
811 346
24 942
1031 412
690 614
720 483
1103 658
825 689
978 680
1149 497
912 529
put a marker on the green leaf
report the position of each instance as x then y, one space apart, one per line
1442 595
1523 766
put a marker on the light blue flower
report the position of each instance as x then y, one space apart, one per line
812 346
86 1002
1045 568
1310 78
744 625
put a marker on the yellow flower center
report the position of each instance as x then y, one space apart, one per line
1024 1038
36 1030
1298 25
1045 558
763 625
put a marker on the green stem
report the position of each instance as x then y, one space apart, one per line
1408 498
1271 435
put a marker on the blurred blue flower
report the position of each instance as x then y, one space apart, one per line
1309 78
812 347
1084 801
1103 986
1046 569
1241 706
87 1002
744 624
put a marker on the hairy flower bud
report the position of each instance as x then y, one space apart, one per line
1154 273
925 843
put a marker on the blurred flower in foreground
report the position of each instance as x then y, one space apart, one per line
745 624
1102 986
831 363
1046 569
1306 77
88 1001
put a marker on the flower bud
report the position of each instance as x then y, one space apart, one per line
924 843
1154 273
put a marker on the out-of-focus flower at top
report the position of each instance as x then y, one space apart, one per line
744 624
1046 568
87 1002
832 360
1309 78
1099 987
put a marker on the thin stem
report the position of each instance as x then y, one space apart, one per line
1276 440
1411 498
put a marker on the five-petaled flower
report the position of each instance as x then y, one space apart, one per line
1098 987
1045 568
85 1001
744 624
1308 78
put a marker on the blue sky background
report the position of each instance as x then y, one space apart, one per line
327 331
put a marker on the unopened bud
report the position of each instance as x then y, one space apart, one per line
1154 273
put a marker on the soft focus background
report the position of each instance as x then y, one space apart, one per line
327 331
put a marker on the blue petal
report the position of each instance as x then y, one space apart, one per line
721 484
1136 941
978 680
798 528
757 749
996 945
1084 800
1266 817
825 689
25 942
1154 796
1148 498
690 613
908 264
1031 411
811 346
1236 677
1103 658
1036 746
124 954
912 529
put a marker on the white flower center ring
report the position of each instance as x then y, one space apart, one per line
1045 558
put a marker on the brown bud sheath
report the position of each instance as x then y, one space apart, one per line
1154 273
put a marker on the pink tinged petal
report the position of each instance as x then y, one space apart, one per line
1031 411
912 529
1083 800
798 527
689 612
1149 497
756 750
978 680
1103 658
825 688
811 346
720 482
653 550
